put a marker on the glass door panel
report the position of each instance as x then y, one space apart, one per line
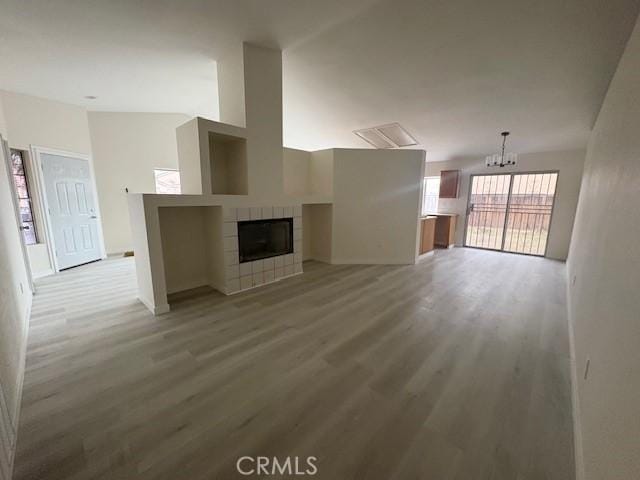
529 212
487 211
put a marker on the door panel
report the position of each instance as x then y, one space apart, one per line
72 209
487 211
529 215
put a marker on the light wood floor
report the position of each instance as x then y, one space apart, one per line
456 368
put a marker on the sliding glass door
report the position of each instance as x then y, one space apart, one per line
511 212
487 211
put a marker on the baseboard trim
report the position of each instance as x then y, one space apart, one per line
424 256
372 261
155 309
190 285
14 422
44 273
575 402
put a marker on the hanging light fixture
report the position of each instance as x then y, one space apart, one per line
502 159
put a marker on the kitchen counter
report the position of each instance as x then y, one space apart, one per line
440 215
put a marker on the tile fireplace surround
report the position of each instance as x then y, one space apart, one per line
247 275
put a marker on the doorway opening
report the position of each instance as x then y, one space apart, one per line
511 212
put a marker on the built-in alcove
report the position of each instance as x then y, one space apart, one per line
192 247
317 222
228 157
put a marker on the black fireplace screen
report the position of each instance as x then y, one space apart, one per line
265 238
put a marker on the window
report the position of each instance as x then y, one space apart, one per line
27 223
430 194
167 181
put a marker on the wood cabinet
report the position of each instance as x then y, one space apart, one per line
445 230
449 180
427 236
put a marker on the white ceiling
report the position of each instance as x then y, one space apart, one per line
453 72
144 55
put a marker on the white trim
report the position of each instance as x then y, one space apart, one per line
23 359
14 422
372 261
424 256
6 152
575 401
189 285
163 169
44 273
15 419
36 151
156 310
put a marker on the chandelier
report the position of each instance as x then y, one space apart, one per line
502 159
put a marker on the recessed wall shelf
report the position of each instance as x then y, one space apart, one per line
228 160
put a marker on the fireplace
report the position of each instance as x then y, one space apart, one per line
259 239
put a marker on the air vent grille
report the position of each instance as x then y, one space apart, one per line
387 136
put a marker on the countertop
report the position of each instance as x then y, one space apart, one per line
440 215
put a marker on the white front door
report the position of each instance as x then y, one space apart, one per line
72 210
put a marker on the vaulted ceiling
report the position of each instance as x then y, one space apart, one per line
453 72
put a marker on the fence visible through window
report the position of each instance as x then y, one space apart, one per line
511 212
25 206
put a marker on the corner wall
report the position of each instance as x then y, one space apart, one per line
127 147
376 205
604 285
15 303
568 163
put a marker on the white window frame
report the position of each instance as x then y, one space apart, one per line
155 179
430 201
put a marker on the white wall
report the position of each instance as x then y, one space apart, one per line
568 163
126 149
307 173
33 121
321 172
263 109
45 123
317 228
3 121
230 70
296 174
604 302
376 198
15 301
185 247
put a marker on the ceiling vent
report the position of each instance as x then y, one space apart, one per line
387 136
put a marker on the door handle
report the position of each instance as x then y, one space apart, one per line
24 227
93 216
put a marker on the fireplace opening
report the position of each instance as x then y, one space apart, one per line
265 238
